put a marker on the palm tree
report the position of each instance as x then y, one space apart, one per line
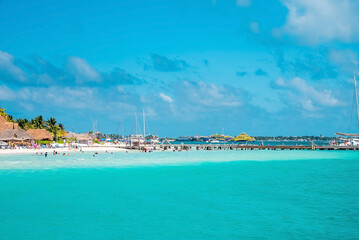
51 122
25 124
39 122
10 118
2 112
61 126
21 122
52 127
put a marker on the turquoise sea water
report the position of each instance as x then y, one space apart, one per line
181 195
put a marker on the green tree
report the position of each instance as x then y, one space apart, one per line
2 112
39 122
52 127
61 130
61 126
21 122
24 123
8 117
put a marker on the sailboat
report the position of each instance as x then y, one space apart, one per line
354 141
136 139
149 138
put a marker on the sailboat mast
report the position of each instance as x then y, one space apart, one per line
144 123
356 99
136 122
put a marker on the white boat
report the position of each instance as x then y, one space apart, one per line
353 137
137 137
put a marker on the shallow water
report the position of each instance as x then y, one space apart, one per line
181 195
136 159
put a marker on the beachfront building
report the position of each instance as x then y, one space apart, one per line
40 134
82 138
16 137
85 138
4 124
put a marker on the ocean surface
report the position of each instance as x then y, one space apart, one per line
181 195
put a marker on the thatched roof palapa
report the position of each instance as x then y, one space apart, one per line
70 135
15 135
80 136
4 124
84 137
40 134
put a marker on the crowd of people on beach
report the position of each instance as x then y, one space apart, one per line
55 153
38 146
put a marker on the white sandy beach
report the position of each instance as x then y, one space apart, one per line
62 150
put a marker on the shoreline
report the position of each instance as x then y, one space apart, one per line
61 150
176 147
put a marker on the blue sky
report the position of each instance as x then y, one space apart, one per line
276 67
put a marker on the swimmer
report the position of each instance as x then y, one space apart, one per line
45 154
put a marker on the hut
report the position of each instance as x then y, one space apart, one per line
83 138
71 135
16 136
4 124
40 134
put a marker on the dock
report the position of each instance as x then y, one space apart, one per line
208 147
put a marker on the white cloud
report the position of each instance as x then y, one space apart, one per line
307 96
66 97
121 89
27 106
166 98
82 71
319 21
323 97
7 65
243 3
254 26
307 104
210 95
150 112
6 94
346 59
281 82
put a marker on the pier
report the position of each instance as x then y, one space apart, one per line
209 147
